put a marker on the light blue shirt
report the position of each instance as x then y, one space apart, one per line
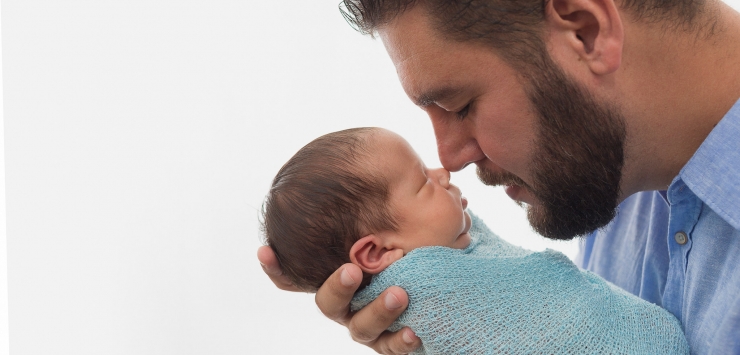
680 248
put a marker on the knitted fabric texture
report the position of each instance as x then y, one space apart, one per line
496 298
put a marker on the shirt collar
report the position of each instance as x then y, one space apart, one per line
713 173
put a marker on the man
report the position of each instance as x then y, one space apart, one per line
578 106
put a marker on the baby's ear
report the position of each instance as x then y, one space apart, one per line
371 254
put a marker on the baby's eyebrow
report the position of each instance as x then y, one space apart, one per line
437 94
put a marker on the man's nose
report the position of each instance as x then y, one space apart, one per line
456 145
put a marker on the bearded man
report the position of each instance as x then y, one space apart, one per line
618 120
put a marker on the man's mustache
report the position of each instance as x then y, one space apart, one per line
499 179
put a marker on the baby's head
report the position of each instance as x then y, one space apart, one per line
360 195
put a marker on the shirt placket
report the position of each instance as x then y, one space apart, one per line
685 209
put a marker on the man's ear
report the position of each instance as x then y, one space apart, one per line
591 28
372 255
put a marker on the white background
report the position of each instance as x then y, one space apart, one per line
140 139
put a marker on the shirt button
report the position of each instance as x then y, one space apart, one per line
681 238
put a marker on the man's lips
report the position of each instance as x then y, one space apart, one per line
520 194
514 192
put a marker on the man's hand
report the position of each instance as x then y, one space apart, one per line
368 326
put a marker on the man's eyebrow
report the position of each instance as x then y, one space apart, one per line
435 95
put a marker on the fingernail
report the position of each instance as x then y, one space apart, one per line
407 337
391 302
346 279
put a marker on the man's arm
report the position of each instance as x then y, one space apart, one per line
367 326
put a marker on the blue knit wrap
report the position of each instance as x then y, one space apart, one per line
496 298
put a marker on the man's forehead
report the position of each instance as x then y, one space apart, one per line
421 59
410 37
430 67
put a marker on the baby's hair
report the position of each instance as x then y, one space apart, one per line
324 199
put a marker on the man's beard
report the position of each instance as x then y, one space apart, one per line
577 163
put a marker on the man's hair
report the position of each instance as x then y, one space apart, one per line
324 199
513 27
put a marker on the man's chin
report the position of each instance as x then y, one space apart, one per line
556 225
559 217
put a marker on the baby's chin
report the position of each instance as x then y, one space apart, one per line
462 241
468 221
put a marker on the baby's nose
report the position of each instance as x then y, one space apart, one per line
443 176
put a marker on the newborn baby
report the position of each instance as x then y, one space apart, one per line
364 196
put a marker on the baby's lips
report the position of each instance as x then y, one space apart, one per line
464 202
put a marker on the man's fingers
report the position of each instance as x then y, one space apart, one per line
271 266
403 341
370 322
335 294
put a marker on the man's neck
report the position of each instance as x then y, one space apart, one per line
677 85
